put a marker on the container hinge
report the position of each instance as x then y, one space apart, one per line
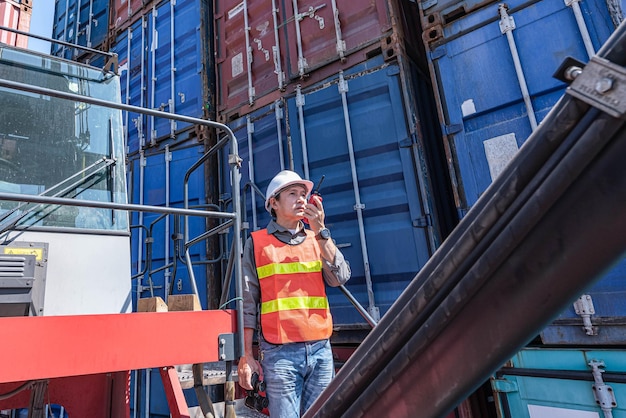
423 222
227 346
584 308
234 160
605 398
503 385
507 23
602 84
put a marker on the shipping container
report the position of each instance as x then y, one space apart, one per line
80 22
355 129
165 65
15 14
492 66
492 70
158 179
562 383
265 47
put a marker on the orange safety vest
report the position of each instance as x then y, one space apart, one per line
294 306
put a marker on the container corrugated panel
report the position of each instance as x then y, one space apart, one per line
290 43
318 33
157 180
124 12
164 73
396 237
486 119
248 60
394 242
81 22
562 383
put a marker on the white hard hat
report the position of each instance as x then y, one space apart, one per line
282 180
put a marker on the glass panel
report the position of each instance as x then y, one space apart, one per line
58 147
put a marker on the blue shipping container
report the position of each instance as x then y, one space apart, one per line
157 180
81 22
482 107
486 116
165 65
377 185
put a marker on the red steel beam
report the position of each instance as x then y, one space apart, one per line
59 346
174 392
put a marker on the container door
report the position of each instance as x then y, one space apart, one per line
249 58
94 24
157 180
360 143
562 383
480 90
322 31
487 117
165 69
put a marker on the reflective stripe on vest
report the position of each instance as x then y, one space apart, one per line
294 306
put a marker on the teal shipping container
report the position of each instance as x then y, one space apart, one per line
562 383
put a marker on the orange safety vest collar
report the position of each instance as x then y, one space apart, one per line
294 306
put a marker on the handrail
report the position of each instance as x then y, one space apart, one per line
112 55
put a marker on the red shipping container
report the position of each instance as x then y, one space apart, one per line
15 15
249 63
289 42
319 32
124 10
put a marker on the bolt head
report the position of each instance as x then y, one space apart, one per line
604 85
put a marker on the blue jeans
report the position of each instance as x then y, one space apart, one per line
295 374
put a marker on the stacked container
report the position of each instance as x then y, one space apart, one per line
407 110
492 66
166 64
338 90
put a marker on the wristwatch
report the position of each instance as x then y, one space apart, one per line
323 233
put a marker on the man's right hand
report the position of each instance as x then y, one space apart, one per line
246 367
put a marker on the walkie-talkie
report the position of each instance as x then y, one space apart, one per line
315 192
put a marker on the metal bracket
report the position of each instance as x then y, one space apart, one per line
602 84
234 160
227 347
584 308
423 222
603 393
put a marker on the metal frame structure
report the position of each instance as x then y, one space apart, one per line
86 367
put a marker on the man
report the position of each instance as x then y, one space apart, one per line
284 268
